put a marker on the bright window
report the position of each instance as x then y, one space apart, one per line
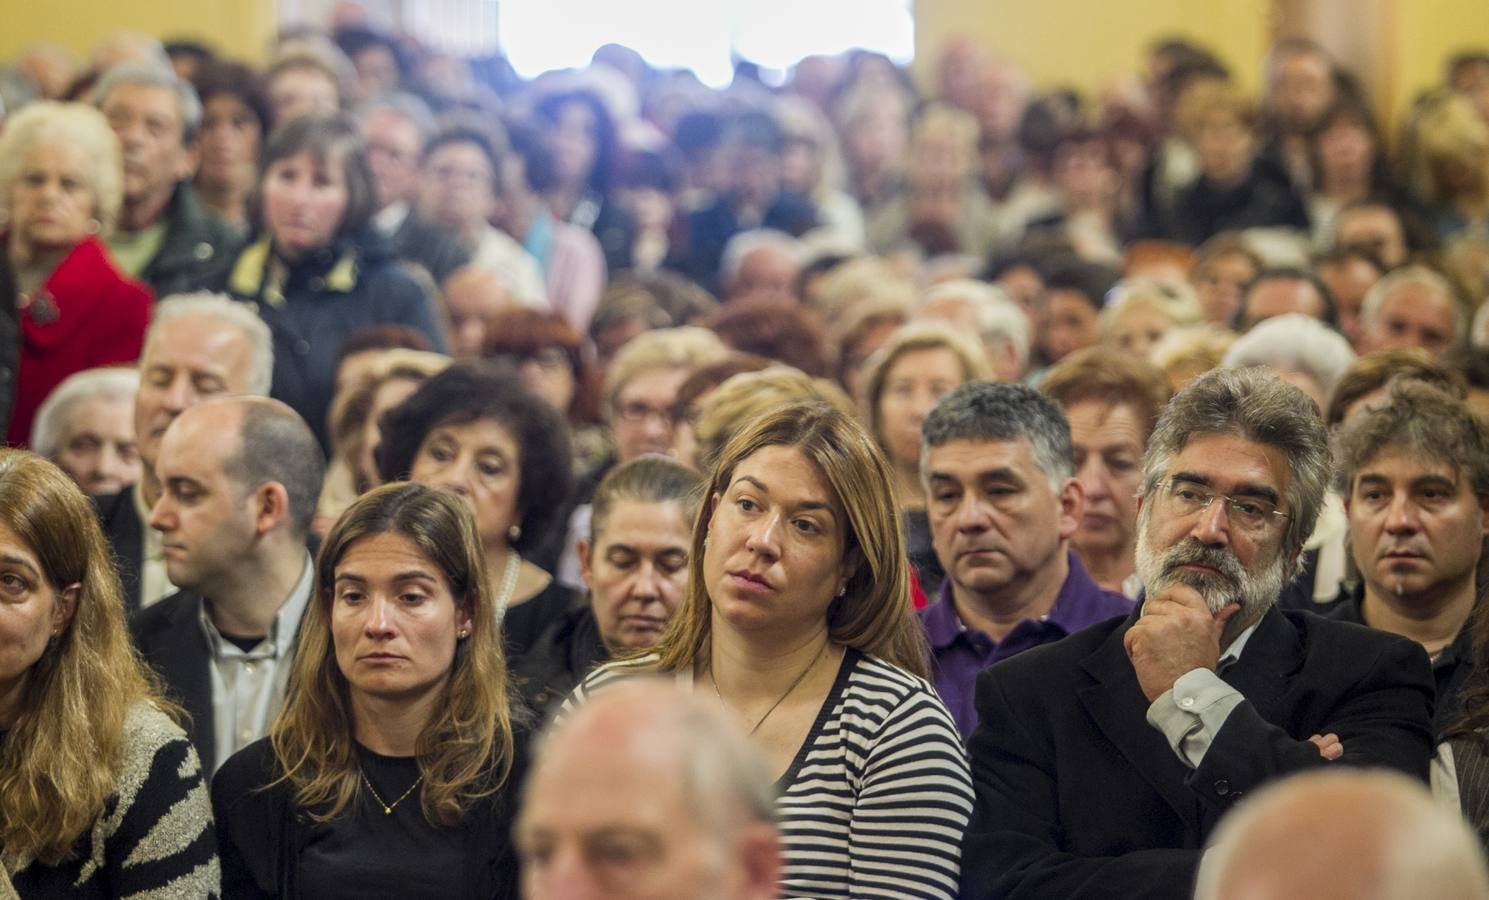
702 35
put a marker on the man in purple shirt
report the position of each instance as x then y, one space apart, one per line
1003 502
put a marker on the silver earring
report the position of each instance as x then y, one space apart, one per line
842 589
462 634
514 534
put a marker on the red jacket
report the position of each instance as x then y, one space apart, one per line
87 314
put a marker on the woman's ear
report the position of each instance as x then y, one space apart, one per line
65 606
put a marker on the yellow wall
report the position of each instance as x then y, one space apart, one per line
1424 33
1085 43
238 28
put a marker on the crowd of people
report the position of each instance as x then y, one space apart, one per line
423 482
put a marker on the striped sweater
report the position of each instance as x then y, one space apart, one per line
875 802
154 840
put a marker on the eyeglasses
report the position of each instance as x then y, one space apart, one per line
1186 498
635 413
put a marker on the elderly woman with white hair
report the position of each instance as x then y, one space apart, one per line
1140 311
1312 357
86 427
64 305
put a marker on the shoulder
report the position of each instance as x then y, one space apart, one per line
879 691
163 615
1059 657
609 675
147 729
1354 649
157 753
114 506
245 774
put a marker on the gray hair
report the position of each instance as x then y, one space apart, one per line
229 312
1176 300
999 319
54 418
78 125
156 76
739 247
1412 276
407 106
994 411
1297 343
1254 404
275 444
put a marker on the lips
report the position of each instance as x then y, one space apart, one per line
751 581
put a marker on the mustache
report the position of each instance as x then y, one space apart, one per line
1229 574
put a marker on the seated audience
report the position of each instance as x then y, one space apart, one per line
797 619
1380 227
1205 692
475 431
459 189
1112 401
396 129
198 346
1412 307
307 78
906 378
635 565
1223 267
650 764
104 796
64 304
239 479
1349 273
1279 291
761 265
1138 313
86 427
315 271
1003 504
1073 298
235 123
982 309
393 765
1414 473
1343 836
166 237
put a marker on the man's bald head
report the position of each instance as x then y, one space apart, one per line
661 775
1361 835
474 295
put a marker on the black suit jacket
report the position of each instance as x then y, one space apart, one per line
169 636
1079 797
126 534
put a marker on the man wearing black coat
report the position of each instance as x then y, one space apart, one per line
1103 761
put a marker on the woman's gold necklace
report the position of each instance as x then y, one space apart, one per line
779 700
388 807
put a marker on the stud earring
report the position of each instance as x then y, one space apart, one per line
514 534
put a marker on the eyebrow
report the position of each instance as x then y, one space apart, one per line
413 575
1264 491
21 561
1001 472
805 504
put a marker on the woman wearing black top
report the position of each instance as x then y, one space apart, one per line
391 769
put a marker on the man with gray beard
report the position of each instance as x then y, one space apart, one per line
1103 761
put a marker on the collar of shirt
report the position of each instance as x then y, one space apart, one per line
1232 654
390 218
283 631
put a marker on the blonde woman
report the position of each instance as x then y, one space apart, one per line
103 795
391 769
797 622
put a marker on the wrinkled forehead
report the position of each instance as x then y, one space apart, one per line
1231 463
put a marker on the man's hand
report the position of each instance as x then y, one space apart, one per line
1176 634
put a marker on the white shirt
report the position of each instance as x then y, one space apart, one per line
155 584
497 252
1191 712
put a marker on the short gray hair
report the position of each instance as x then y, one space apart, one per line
275 444
1257 405
1412 276
739 247
229 312
408 107
155 76
999 319
82 127
995 411
52 420
1294 342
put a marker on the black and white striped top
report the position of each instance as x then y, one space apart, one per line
877 798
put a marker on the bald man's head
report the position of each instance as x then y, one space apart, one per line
1343 835
654 774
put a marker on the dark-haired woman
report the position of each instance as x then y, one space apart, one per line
391 769
474 430
579 136
315 269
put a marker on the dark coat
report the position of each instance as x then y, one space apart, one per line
710 229
559 660
169 637
126 534
195 239
320 301
423 243
1266 199
1079 797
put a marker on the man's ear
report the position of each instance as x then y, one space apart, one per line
65 607
271 506
191 157
1072 499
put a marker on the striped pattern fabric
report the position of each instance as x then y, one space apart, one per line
876 801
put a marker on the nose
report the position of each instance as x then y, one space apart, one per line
1092 476
1213 525
1401 515
972 515
647 584
379 622
179 394
765 537
162 517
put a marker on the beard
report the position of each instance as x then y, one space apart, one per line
1229 583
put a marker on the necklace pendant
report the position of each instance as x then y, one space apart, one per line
387 810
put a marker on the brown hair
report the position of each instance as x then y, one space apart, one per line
523 332
874 615
61 760
465 751
782 331
1108 377
1373 371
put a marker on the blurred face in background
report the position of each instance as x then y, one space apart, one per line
96 446
229 143
915 382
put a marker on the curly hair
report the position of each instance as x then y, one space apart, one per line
477 391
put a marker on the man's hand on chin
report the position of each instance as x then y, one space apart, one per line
1177 633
